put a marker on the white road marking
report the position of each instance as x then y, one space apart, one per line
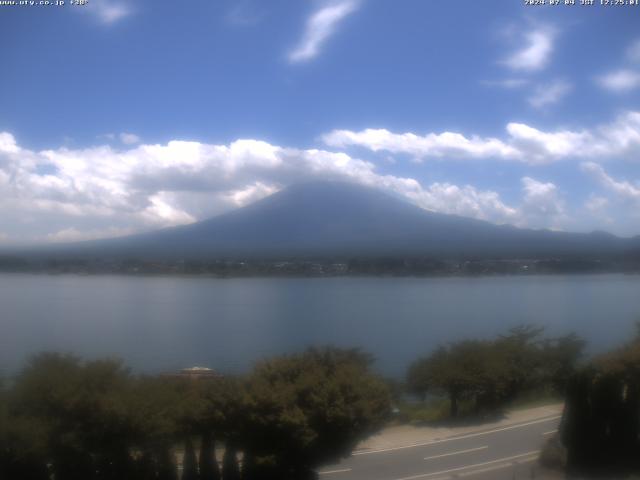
466 467
527 460
485 470
462 437
457 453
497 467
549 432
329 472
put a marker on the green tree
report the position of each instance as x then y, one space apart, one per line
22 447
82 408
520 350
306 409
419 381
157 420
490 373
92 420
466 370
561 357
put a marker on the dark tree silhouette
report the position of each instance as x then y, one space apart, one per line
209 469
601 422
189 462
167 469
249 469
230 468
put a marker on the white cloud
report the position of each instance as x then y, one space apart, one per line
620 81
99 191
541 205
436 145
623 190
539 147
75 235
466 201
623 80
544 196
523 143
596 203
68 194
8 143
622 206
251 193
633 51
243 14
508 83
109 11
599 209
162 210
129 138
320 26
549 94
536 52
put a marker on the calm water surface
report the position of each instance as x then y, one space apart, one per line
164 323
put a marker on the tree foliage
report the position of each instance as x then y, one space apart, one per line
80 411
230 467
189 462
71 419
490 373
601 422
311 408
207 463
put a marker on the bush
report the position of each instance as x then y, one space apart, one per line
553 454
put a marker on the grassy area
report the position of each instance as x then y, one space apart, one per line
431 411
437 409
420 413
535 399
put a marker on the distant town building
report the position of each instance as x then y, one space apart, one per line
194 373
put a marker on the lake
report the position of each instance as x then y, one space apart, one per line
166 323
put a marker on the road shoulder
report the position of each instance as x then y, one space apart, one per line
405 436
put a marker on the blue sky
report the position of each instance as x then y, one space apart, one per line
124 116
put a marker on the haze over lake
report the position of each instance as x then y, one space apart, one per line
165 323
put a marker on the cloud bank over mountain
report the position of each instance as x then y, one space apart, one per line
522 143
102 191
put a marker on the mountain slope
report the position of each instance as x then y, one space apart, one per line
342 219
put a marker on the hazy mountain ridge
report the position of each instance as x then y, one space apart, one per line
345 220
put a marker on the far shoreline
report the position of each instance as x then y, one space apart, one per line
209 276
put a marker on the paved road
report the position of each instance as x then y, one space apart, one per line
507 452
